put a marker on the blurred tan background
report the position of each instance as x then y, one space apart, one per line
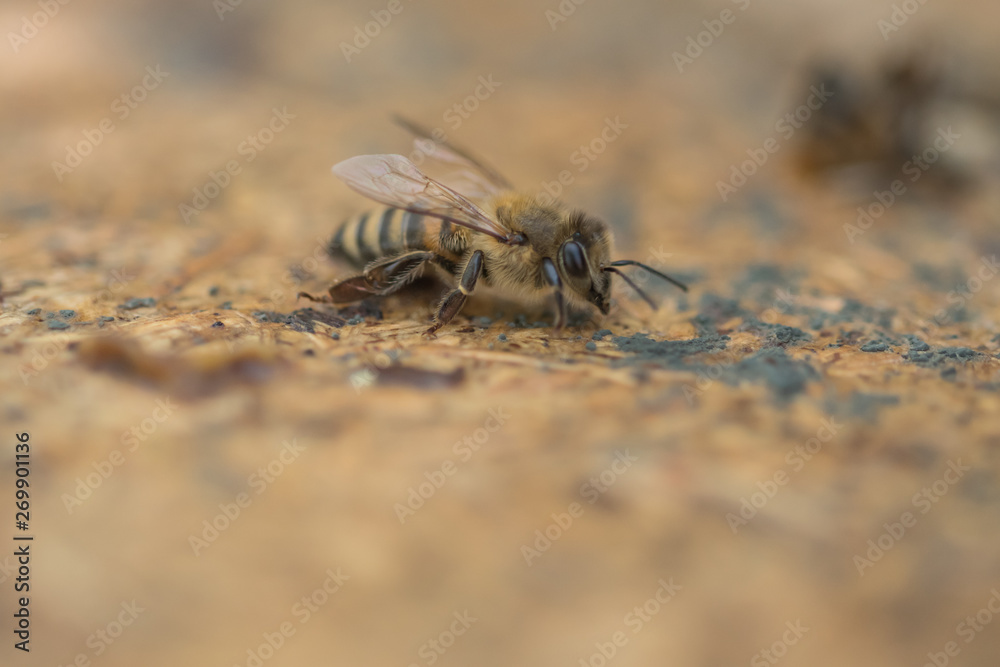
503 494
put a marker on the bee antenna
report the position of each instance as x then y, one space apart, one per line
632 262
652 304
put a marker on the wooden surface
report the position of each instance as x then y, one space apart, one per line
827 381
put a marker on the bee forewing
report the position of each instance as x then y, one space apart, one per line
395 181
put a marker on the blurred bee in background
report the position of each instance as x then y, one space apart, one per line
877 123
510 241
884 121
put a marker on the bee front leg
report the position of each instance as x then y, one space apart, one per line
454 300
551 275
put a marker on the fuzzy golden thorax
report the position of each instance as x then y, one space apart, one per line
547 228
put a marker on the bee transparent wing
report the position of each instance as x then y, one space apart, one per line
470 183
395 181
475 175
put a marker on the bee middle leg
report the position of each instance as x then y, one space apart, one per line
380 278
552 278
454 300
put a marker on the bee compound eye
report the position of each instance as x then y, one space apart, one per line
574 259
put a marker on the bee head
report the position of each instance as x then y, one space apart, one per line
586 267
581 259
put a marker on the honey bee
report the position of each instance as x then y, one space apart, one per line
510 241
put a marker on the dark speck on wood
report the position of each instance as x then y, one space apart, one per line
132 304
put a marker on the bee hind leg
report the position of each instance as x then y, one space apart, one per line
454 300
325 298
346 291
380 278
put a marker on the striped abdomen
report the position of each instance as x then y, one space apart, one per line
385 232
